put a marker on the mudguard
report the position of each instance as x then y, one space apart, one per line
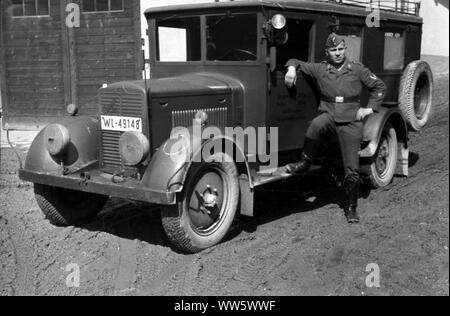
83 147
374 125
373 128
171 163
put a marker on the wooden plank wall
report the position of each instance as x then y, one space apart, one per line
106 52
3 94
33 67
48 65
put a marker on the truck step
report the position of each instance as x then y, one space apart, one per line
277 174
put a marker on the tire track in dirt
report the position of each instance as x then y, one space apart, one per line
8 254
126 270
174 279
23 249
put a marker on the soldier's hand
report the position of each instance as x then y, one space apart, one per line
363 113
291 77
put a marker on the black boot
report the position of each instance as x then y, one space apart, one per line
351 187
352 214
308 155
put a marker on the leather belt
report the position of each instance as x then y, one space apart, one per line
340 99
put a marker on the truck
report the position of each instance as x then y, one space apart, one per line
215 121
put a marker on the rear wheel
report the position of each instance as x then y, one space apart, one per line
204 214
382 169
63 207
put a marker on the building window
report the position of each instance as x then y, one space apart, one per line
90 6
394 50
353 40
27 8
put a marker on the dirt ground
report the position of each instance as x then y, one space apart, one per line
294 246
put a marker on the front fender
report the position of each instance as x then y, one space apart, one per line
171 163
83 147
373 128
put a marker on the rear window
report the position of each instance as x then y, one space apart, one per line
354 40
394 50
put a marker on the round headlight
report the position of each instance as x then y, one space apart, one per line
57 139
279 21
134 148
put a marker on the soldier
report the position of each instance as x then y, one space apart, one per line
340 81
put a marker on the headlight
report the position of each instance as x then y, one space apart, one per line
57 139
134 148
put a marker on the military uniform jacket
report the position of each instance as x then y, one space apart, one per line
341 89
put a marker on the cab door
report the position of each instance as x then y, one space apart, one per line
291 110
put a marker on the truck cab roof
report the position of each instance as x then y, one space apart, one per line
409 12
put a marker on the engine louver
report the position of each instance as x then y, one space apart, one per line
216 117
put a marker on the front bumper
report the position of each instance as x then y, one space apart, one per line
101 183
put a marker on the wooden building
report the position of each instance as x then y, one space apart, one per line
45 65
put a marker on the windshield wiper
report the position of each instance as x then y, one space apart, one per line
227 15
173 16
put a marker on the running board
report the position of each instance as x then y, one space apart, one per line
277 174
247 196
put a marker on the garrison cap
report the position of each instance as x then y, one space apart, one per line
334 40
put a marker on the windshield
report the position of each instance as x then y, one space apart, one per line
232 37
229 37
178 39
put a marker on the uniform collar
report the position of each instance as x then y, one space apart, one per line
347 66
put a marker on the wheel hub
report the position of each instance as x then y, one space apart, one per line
210 197
206 201
382 158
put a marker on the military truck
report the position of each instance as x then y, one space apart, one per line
217 66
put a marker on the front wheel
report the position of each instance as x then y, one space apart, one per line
382 169
209 201
63 207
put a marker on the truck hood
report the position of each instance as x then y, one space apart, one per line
191 84
185 85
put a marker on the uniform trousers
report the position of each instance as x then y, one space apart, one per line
349 135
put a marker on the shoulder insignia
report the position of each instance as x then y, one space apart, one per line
373 77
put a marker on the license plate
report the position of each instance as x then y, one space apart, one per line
121 123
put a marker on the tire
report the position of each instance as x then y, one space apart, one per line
190 226
416 94
63 207
382 170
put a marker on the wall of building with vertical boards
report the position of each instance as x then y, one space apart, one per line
45 65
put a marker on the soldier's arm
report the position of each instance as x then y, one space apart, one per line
376 87
309 69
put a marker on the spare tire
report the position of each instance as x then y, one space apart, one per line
416 94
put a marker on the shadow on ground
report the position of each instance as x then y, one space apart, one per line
137 221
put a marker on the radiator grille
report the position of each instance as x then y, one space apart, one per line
120 104
216 117
117 103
